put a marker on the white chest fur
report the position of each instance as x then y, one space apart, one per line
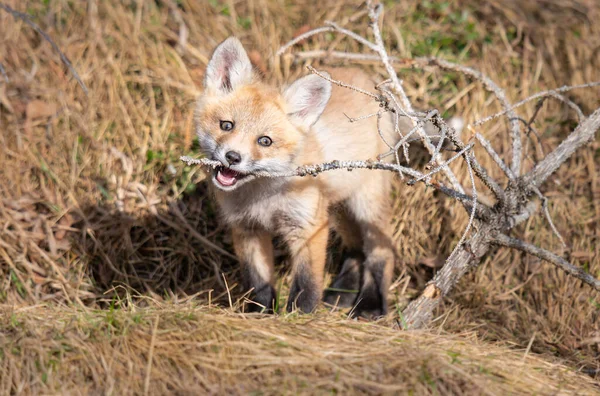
263 203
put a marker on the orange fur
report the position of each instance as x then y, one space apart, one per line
306 125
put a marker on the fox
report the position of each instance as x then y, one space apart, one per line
252 127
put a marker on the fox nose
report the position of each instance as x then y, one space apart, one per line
233 157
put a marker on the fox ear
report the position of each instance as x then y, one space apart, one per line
306 99
228 68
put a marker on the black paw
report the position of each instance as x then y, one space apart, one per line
304 294
262 300
369 304
344 289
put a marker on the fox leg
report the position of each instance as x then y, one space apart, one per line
372 210
308 249
255 252
345 286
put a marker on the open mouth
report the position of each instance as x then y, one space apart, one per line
227 177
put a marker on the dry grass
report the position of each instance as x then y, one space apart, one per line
171 349
92 196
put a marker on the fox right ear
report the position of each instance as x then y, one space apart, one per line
307 98
228 68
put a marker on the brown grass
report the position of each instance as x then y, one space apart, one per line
92 196
171 349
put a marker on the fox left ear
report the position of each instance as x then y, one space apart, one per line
307 98
228 68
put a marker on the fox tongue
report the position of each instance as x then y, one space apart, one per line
227 177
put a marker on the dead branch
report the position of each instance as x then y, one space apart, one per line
541 95
314 170
490 150
341 83
420 311
577 272
303 37
492 87
581 136
351 56
25 18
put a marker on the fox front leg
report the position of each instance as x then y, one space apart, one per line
308 248
254 249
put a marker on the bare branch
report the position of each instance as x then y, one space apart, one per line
553 93
374 14
420 311
558 261
547 215
492 87
490 150
25 18
363 117
352 35
550 222
314 170
580 136
440 167
341 84
479 170
352 56
473 209
301 37
568 102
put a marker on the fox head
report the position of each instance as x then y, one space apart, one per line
249 126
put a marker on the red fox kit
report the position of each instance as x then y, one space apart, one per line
250 127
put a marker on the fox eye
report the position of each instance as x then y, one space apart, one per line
226 125
265 141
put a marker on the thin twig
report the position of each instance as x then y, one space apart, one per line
352 56
538 95
479 170
490 150
341 84
379 47
584 132
374 15
550 257
360 118
549 218
547 215
25 18
302 37
314 170
473 209
492 87
440 167
352 35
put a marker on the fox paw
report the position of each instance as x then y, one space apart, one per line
369 305
343 290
